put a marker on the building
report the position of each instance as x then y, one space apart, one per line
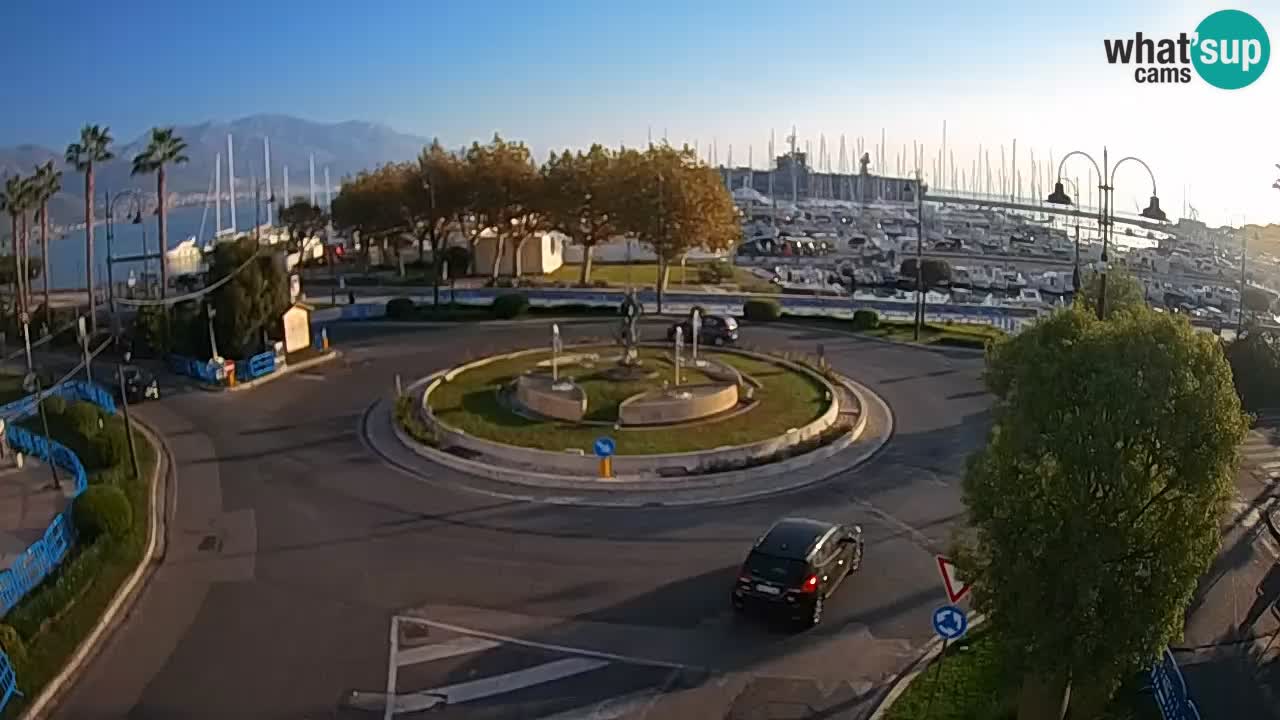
793 178
542 254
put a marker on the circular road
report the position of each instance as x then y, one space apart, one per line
307 578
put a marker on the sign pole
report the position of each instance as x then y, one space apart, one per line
937 678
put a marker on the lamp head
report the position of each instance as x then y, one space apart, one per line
137 217
1153 211
1059 195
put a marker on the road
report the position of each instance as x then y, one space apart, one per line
305 578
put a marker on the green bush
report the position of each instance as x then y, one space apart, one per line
82 417
866 319
54 405
761 310
510 305
110 447
12 645
715 273
102 510
401 308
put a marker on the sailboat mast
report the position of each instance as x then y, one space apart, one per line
231 180
217 192
266 160
287 199
311 163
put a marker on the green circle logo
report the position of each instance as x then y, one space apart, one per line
1232 49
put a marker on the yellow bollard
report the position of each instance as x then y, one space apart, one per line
606 467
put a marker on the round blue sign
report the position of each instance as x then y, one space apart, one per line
950 622
604 447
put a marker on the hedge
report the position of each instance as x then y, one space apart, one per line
102 510
510 305
866 319
400 308
761 310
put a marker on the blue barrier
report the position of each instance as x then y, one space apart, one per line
8 681
70 390
190 367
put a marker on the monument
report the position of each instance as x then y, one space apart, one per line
629 365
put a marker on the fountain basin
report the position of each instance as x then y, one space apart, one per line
560 400
676 405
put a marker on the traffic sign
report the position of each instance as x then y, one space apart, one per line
604 447
956 588
950 622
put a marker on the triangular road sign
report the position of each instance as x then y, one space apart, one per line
956 588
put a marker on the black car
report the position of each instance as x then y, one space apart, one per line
714 330
139 385
795 567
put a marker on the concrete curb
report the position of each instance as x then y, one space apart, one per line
1271 514
128 593
932 649
328 357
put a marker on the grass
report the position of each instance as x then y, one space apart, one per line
972 683
470 403
957 334
54 618
470 313
11 389
644 274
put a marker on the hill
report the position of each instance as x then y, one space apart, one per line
345 148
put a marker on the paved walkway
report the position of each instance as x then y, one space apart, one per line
27 504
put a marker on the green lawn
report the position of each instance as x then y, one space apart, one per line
470 403
11 389
959 334
971 683
644 274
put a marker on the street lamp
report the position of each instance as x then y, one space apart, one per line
1106 213
920 189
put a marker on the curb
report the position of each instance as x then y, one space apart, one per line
1269 514
128 593
288 369
932 649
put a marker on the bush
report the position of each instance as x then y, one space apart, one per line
715 273
83 416
102 510
54 405
510 305
761 310
866 319
110 447
12 645
401 308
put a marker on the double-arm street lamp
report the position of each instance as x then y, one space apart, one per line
134 215
1106 212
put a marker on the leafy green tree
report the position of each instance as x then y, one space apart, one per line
1255 368
46 184
436 190
1123 291
1095 505
14 200
1255 300
164 148
303 221
250 305
94 147
583 193
506 196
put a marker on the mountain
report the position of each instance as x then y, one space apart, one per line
345 148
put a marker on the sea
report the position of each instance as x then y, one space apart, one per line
66 250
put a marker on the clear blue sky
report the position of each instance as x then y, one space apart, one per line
567 73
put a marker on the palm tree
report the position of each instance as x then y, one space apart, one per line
164 148
11 201
94 147
47 183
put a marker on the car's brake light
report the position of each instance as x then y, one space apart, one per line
744 575
810 585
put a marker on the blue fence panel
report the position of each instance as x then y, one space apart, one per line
199 369
262 364
8 681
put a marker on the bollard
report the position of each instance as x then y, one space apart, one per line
399 388
324 337
606 468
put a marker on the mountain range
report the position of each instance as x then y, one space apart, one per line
344 148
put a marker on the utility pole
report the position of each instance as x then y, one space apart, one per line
919 324
128 421
1244 260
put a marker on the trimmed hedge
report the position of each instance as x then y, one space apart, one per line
102 510
761 310
510 305
82 417
12 645
54 405
400 308
110 447
866 319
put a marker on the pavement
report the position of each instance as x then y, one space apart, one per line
1231 649
28 502
296 551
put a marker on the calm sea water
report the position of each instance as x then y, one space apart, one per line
66 253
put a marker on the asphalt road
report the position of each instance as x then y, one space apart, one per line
302 570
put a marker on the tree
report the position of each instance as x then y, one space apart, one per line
163 148
1123 291
1094 506
582 193
1255 300
94 147
935 271
303 221
504 186
17 198
47 183
434 193
673 204
1255 368
252 302
373 205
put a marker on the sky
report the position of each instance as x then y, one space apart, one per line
561 74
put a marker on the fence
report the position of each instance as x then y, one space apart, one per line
255 367
45 554
202 371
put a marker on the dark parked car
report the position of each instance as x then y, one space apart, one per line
795 567
715 330
139 385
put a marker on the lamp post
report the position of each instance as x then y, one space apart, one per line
1075 266
919 319
135 218
1106 212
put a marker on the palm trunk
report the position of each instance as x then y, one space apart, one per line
585 277
88 243
664 270
517 256
498 247
435 269
164 233
24 267
17 268
44 260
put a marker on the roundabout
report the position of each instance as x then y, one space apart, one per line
345 565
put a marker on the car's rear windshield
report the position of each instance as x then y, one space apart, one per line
775 569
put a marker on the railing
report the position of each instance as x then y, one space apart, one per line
45 554
200 370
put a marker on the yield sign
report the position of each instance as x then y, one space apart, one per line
956 588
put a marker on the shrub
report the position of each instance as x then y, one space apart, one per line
110 447
714 273
510 305
12 645
83 417
400 308
866 319
102 510
761 310
54 405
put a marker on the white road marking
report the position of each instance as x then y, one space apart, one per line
387 704
1274 464
613 708
439 651
309 376
495 685
614 657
